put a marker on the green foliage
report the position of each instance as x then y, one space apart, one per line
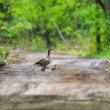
105 53
3 52
37 44
25 23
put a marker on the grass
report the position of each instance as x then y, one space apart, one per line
34 49
100 55
66 51
105 53
60 49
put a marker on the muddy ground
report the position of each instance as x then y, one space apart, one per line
77 83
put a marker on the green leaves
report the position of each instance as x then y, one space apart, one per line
3 51
2 15
75 20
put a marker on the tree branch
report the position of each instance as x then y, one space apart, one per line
55 24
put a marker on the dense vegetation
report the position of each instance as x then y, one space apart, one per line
72 26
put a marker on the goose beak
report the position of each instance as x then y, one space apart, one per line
51 48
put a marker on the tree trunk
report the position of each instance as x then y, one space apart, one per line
107 5
98 37
107 12
48 41
55 24
101 4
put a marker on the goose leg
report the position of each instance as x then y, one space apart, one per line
43 68
46 67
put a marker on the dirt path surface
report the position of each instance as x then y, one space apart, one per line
77 82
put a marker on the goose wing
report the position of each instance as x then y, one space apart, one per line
2 64
42 62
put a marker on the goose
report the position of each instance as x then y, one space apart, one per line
44 62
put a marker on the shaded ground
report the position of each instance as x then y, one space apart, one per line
77 83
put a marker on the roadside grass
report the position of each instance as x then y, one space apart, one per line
105 53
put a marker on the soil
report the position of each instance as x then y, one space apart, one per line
77 83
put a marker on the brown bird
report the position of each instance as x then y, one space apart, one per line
4 62
44 62
54 68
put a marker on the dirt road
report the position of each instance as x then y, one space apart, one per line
77 82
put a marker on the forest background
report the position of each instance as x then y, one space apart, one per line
71 26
